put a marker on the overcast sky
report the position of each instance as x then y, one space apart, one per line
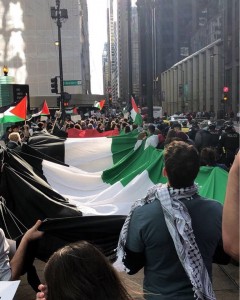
97 20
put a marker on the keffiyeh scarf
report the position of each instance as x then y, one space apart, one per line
179 224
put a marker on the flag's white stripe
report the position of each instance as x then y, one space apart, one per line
7 113
90 194
89 154
37 114
133 114
72 181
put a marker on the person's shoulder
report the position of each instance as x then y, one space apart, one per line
211 203
148 210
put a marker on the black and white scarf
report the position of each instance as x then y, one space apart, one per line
179 225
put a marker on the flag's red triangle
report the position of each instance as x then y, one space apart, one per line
75 111
45 109
134 105
101 103
20 110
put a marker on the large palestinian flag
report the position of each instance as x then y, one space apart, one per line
85 187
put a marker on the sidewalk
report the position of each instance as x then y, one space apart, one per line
225 283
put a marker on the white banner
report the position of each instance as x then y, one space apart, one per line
8 289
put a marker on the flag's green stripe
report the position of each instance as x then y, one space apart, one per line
151 161
133 164
212 181
125 168
10 119
138 120
123 144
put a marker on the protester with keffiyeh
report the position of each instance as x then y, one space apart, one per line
174 233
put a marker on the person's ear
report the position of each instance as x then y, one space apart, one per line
165 172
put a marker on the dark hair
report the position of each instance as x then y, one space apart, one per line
151 128
176 125
208 157
182 136
80 271
181 163
134 126
40 126
212 126
127 129
171 135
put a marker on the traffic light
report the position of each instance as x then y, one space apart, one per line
66 99
225 93
54 85
110 99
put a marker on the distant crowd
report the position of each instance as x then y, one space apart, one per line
217 144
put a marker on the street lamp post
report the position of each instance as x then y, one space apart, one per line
59 15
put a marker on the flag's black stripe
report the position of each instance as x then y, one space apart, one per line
49 145
29 198
102 231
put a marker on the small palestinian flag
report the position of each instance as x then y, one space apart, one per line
135 115
44 112
12 114
99 104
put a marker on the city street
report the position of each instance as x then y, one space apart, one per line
225 283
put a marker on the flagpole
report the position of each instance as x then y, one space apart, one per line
25 123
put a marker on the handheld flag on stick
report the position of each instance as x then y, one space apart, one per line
44 112
14 114
135 115
99 104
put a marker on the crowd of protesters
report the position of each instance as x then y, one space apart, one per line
223 141
206 145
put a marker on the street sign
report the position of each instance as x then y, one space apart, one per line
72 82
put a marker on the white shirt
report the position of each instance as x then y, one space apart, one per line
152 140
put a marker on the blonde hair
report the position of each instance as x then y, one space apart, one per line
15 137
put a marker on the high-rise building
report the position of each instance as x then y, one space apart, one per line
28 46
213 65
105 68
124 63
135 53
128 51
112 89
164 40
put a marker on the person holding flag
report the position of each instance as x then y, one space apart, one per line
43 112
135 115
99 104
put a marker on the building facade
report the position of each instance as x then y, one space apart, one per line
213 65
193 84
164 40
124 63
135 54
105 68
28 35
111 91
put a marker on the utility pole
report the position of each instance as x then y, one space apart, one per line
129 50
59 15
